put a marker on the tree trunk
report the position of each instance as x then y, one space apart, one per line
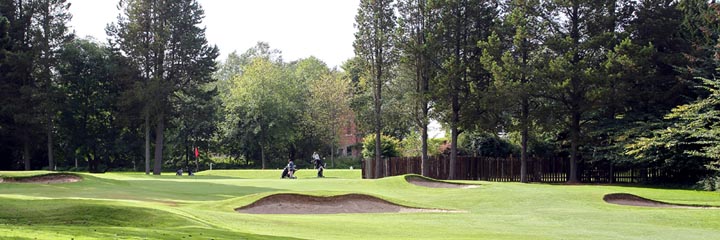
159 131
378 155
453 151
378 123
147 144
26 152
332 155
51 160
524 118
425 164
424 89
574 139
454 132
262 156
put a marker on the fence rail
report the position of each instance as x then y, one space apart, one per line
553 170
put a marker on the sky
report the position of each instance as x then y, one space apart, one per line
300 29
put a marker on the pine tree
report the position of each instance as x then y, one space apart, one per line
515 65
375 23
166 43
50 32
462 80
417 20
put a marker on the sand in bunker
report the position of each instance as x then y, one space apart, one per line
420 181
304 204
633 200
44 179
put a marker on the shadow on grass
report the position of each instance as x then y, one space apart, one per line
628 185
102 220
168 191
193 191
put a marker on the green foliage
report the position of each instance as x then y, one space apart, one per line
710 183
176 60
374 43
347 162
689 146
264 103
328 104
412 145
487 145
390 146
91 81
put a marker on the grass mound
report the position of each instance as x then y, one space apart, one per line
79 213
433 183
50 178
634 200
305 204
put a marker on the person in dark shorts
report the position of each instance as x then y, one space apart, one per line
319 165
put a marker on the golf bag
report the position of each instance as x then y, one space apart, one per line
286 173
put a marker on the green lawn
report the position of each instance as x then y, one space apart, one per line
136 206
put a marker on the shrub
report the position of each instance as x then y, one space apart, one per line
710 183
390 146
412 145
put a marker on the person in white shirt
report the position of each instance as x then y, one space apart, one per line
318 164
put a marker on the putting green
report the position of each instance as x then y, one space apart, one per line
137 206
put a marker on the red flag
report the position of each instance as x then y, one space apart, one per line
197 153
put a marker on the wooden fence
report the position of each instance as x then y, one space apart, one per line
507 170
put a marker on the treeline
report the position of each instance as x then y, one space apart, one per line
274 111
153 94
629 82
626 82
76 103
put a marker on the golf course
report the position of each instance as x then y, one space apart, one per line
207 206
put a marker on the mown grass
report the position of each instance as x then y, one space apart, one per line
136 206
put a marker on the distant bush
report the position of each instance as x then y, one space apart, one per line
412 145
390 146
486 144
345 163
711 183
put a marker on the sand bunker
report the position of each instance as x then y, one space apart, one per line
633 200
43 179
426 182
304 204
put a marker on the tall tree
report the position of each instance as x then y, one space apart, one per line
36 31
264 107
516 68
375 23
416 22
462 80
699 24
89 86
329 108
168 45
582 31
50 33
17 68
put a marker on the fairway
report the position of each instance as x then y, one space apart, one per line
136 206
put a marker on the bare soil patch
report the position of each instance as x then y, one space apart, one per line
44 179
425 182
304 204
634 200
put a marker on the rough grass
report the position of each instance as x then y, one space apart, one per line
136 206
